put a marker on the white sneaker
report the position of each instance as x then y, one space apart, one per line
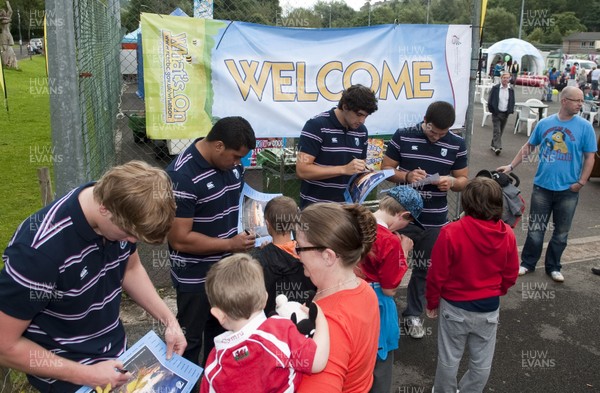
414 327
523 270
557 276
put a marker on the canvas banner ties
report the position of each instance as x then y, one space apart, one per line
199 70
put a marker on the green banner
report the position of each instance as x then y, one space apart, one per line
177 86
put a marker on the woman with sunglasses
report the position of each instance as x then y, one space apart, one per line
332 239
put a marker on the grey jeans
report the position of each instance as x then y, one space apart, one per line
498 123
458 329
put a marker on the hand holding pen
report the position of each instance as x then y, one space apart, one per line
354 166
415 175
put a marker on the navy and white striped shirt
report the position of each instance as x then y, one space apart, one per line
211 197
66 279
332 144
411 149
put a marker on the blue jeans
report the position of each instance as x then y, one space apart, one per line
561 204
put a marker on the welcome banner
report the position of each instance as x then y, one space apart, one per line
199 70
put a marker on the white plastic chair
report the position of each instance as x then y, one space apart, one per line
486 112
527 115
588 112
535 101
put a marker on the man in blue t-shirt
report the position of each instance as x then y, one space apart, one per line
64 272
333 147
207 182
416 153
566 158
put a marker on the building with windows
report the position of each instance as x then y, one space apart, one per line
582 43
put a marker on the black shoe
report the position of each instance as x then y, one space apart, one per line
497 151
596 270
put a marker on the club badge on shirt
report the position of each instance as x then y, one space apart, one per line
241 353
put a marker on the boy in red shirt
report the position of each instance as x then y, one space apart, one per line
384 267
257 353
474 262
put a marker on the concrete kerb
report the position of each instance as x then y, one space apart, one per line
578 250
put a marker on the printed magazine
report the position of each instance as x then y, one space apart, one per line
152 372
361 184
252 213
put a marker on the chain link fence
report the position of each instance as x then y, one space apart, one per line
110 92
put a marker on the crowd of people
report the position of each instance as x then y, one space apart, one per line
81 255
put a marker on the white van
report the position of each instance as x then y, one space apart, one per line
587 65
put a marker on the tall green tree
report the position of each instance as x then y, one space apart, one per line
499 24
32 16
256 11
130 16
568 23
335 14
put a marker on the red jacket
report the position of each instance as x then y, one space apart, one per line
471 260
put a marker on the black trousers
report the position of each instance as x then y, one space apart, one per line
198 324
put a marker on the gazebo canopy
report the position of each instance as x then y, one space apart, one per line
526 54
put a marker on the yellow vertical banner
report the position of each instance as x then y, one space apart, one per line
483 10
2 88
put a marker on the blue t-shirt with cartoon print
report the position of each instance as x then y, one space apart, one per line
562 145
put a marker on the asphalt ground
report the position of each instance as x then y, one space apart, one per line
547 338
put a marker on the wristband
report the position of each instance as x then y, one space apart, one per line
406 177
578 182
511 167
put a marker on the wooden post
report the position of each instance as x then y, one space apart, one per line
45 185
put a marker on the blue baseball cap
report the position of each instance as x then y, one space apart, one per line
410 200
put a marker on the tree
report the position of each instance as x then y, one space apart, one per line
413 11
554 37
450 11
32 17
300 17
265 12
499 24
130 17
536 36
591 18
335 14
568 23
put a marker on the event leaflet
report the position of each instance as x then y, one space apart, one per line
152 372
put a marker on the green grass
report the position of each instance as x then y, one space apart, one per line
25 143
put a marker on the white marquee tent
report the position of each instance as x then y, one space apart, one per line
527 55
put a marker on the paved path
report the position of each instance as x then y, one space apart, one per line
548 335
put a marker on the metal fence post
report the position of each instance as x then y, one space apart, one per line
65 112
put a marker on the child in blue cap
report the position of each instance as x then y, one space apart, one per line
384 267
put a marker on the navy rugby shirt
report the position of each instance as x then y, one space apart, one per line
411 149
66 279
324 138
211 197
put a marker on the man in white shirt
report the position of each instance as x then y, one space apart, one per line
501 103
595 77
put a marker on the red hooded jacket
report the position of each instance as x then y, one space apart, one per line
471 260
